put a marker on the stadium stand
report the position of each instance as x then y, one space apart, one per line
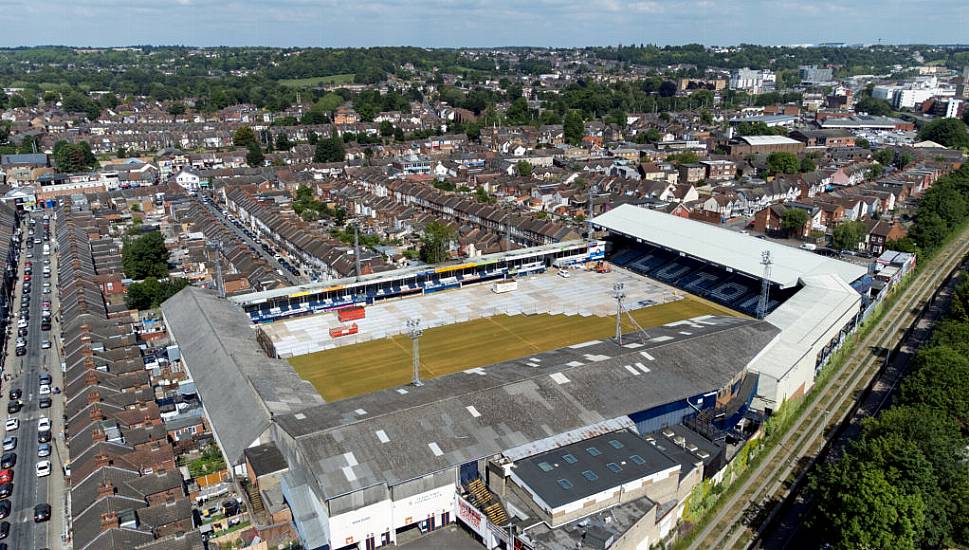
715 283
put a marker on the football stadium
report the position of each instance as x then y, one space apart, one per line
529 424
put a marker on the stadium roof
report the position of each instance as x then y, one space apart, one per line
397 435
770 140
241 388
717 245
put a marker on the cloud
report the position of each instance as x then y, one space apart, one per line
455 23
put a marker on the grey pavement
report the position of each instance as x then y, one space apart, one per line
451 537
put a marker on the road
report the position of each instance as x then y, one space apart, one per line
23 372
258 250
754 498
784 530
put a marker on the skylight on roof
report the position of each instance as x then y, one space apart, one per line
565 484
638 459
545 466
590 475
616 444
593 451
614 467
570 458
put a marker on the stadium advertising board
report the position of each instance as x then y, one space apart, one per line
471 517
597 250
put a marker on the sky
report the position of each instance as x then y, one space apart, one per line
478 23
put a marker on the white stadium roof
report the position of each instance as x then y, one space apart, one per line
739 252
770 140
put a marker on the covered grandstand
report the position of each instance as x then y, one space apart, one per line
272 305
814 299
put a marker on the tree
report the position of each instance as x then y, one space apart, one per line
151 292
859 508
330 150
885 156
282 142
524 168
794 221
145 256
808 165
877 107
862 142
386 128
782 163
328 103
436 244
255 157
903 159
950 132
847 235
121 153
176 108
244 137
399 134
70 157
574 127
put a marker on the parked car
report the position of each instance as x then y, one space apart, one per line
43 468
43 450
45 402
8 460
4 508
13 407
43 437
9 443
5 490
43 423
12 424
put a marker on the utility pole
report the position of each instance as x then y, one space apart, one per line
619 294
219 282
415 331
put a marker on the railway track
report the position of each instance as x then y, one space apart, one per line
767 482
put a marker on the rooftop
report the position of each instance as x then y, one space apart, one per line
769 140
586 468
240 386
401 434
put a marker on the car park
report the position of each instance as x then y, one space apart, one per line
43 468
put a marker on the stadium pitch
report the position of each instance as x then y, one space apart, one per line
363 368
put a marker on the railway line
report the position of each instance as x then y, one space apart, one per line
752 502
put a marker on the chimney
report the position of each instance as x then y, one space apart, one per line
94 396
109 521
105 489
96 414
90 378
102 460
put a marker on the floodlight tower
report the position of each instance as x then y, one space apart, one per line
619 294
765 260
415 331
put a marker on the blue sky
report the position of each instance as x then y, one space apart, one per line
454 23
